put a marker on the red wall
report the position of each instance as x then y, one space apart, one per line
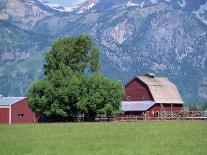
137 91
4 115
22 107
167 107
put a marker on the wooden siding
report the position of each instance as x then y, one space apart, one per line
137 91
4 115
156 108
22 107
167 107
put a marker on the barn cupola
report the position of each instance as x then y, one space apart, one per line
150 75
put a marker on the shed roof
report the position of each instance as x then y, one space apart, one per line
162 90
7 101
136 105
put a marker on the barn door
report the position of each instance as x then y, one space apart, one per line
156 114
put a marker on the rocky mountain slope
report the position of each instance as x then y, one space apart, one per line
135 36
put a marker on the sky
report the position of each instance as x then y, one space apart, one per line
67 2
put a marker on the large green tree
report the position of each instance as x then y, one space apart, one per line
99 96
78 53
72 85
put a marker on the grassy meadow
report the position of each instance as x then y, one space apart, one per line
114 138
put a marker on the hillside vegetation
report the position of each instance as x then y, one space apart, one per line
135 36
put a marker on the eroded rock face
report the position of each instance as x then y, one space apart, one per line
120 32
28 13
14 54
135 36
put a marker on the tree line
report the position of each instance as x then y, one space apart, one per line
72 85
197 107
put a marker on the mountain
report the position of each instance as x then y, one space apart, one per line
58 7
167 37
82 8
68 3
19 60
24 13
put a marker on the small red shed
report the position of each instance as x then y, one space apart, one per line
16 110
151 96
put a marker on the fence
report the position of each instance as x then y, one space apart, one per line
180 115
139 118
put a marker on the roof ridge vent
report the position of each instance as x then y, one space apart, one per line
150 75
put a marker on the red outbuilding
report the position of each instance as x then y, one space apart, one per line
16 110
151 96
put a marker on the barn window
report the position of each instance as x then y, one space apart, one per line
20 115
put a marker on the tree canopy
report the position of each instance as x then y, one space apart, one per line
78 53
73 85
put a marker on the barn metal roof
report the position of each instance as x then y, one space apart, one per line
7 101
162 90
136 105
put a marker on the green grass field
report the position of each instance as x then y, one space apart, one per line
116 138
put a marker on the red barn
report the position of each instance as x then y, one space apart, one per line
151 96
15 110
